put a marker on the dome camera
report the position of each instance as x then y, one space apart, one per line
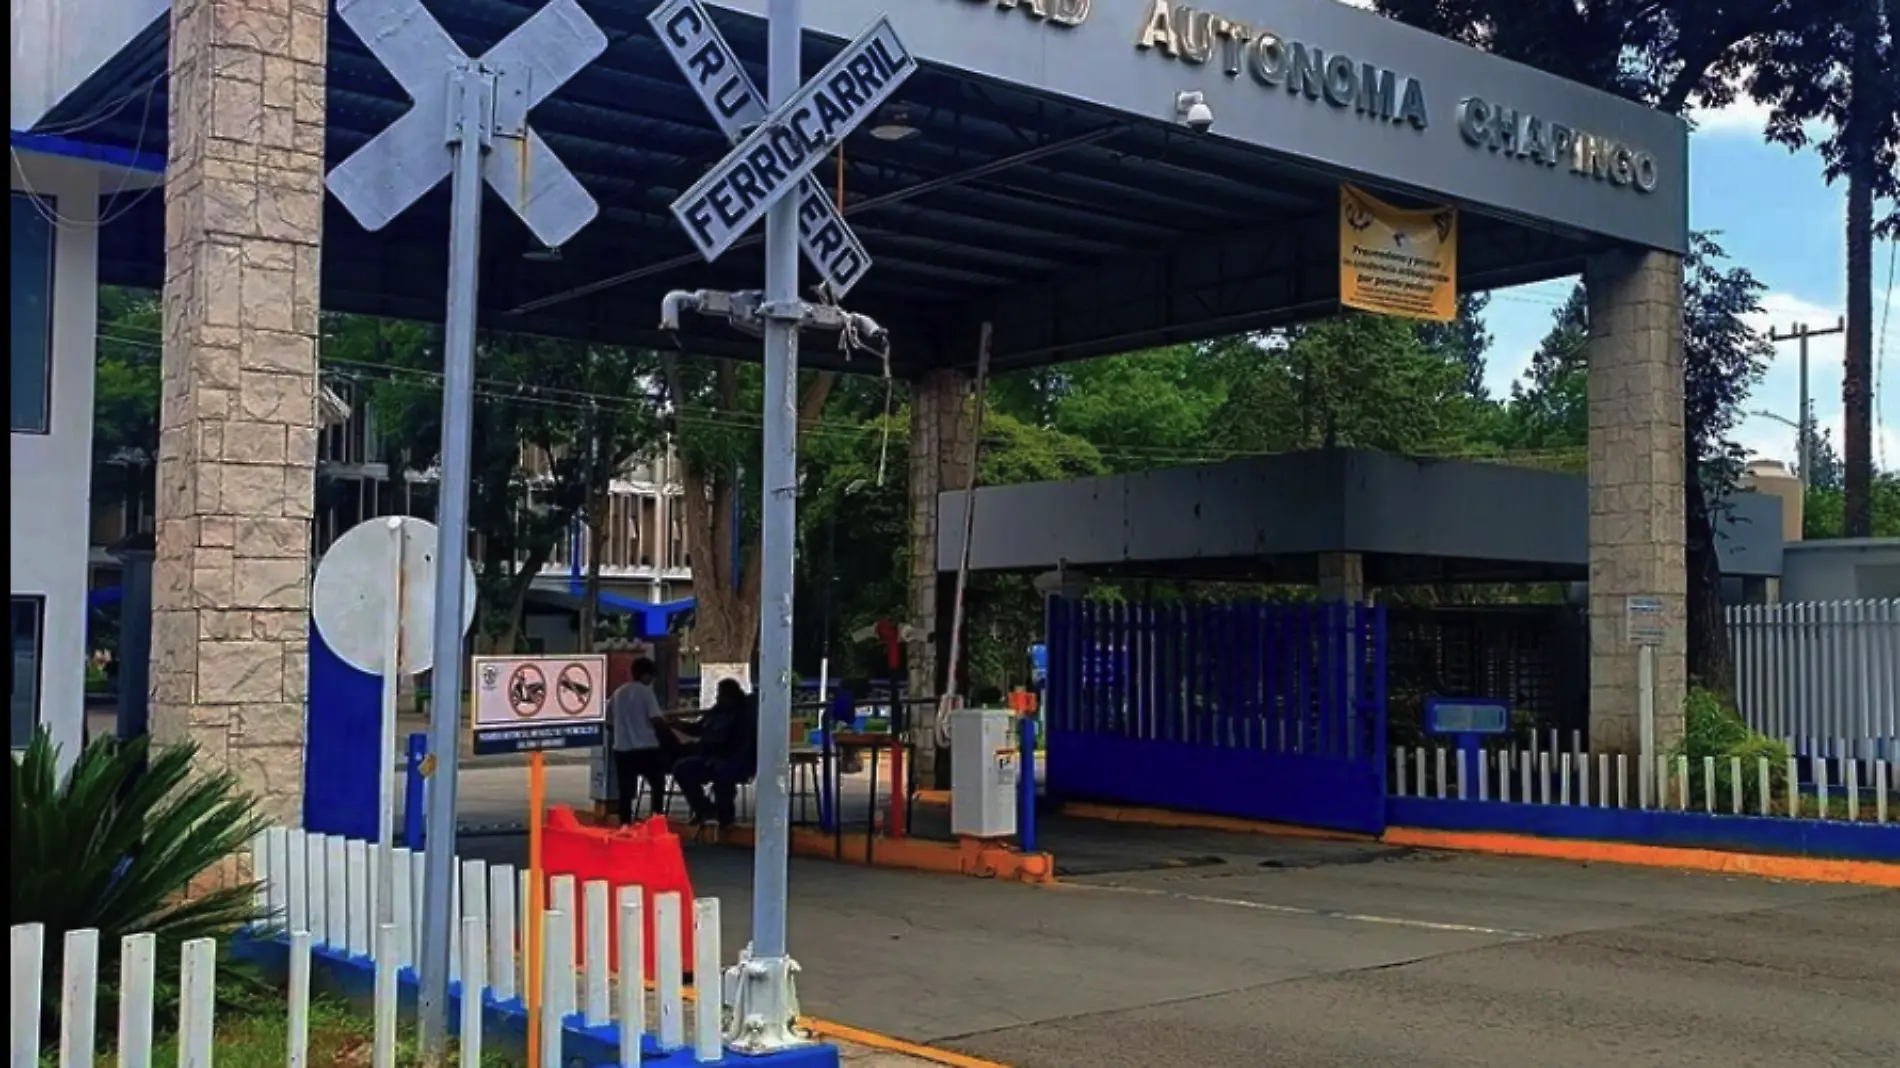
1191 109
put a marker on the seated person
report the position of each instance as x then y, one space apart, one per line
724 753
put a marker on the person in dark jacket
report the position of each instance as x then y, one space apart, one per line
724 754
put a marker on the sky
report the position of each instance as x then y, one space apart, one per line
1774 214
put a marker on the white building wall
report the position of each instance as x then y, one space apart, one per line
57 44
50 507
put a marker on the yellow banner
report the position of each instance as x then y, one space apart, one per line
1397 262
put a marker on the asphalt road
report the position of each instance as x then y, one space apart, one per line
1165 948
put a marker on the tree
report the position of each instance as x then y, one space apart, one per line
576 434
1824 461
1723 358
1550 407
125 397
1843 69
856 529
713 404
1354 380
1145 409
1667 54
1822 516
1463 340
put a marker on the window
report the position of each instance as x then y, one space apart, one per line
28 614
32 281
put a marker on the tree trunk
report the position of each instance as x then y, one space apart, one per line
599 499
725 572
1709 661
1857 372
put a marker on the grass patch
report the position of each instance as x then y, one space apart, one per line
258 1036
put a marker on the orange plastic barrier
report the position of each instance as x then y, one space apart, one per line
646 855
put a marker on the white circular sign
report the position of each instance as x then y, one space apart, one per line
360 577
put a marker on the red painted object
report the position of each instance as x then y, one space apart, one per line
646 855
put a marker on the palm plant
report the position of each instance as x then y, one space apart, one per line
117 843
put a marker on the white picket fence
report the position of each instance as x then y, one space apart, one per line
1823 674
321 888
1606 780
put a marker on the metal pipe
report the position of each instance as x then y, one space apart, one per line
770 968
475 88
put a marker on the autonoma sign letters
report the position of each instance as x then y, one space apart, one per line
1369 91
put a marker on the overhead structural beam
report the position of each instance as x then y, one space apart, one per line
896 197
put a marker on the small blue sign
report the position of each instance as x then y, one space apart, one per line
1466 715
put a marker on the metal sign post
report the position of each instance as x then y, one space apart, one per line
768 174
469 124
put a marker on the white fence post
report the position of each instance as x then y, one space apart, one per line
709 1009
566 986
386 994
197 1002
401 870
362 928
316 875
138 968
557 952
501 913
474 980
28 972
669 968
633 972
79 975
297 1055
296 873
597 1004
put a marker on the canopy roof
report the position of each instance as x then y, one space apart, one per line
1078 225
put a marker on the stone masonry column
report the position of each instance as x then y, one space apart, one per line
942 436
238 420
1636 497
1342 578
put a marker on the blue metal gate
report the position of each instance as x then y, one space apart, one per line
1265 711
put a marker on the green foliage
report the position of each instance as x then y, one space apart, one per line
1712 728
1823 515
1354 380
115 843
584 410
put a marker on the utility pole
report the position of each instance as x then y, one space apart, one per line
1804 430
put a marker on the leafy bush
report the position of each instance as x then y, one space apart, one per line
1711 728
116 844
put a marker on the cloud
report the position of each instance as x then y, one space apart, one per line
1744 117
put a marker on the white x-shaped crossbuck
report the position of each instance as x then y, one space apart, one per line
401 164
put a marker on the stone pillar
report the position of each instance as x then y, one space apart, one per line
1636 489
1342 578
238 419
941 440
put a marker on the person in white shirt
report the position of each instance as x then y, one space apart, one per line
640 741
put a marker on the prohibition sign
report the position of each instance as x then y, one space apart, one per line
573 688
527 691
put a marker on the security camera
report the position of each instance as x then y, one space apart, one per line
1191 109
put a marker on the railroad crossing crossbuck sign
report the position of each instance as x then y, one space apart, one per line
384 177
714 72
777 157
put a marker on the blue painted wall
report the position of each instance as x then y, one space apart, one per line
342 736
1822 839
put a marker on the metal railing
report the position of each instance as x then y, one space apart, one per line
1823 674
